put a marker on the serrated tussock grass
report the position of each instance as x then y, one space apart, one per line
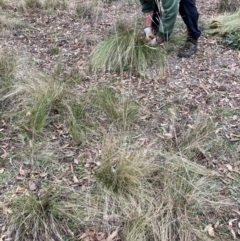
88 9
11 23
224 24
39 95
54 213
147 193
125 49
44 98
156 198
122 170
77 121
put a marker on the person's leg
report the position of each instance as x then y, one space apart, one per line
190 15
156 16
147 10
150 10
148 19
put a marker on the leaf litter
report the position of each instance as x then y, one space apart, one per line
208 81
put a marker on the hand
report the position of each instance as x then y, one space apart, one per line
149 33
156 41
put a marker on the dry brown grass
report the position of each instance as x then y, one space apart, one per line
51 213
156 199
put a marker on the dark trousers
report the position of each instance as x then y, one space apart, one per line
190 15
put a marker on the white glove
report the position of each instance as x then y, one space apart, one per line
149 33
154 41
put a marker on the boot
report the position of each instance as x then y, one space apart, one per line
189 48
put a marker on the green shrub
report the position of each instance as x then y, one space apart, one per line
233 40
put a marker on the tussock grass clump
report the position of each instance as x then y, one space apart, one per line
53 214
156 199
122 170
77 121
44 98
125 49
88 9
11 23
119 110
188 190
224 24
39 95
